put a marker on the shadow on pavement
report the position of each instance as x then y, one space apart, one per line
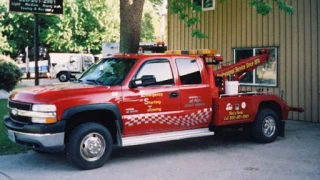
58 161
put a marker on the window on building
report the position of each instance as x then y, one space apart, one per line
263 75
189 71
160 69
205 4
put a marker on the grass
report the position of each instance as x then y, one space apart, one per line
6 146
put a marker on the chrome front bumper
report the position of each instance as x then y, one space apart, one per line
46 142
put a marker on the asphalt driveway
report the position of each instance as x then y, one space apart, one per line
229 156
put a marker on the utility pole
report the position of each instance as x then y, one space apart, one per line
36 49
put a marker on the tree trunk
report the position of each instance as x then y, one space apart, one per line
130 25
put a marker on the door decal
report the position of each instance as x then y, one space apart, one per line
189 119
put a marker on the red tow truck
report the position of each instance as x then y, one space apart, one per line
132 99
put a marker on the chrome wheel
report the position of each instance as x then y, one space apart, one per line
92 147
265 128
269 126
89 145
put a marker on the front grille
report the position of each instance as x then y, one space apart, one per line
20 106
20 119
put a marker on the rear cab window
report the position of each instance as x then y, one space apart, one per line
189 71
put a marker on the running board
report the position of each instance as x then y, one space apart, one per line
169 136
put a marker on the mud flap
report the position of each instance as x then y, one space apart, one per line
282 128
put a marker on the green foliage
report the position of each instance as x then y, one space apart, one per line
4 45
147 29
198 34
192 21
177 6
196 8
84 24
183 16
156 2
181 7
16 30
9 75
284 6
262 7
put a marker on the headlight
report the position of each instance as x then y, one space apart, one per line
44 108
44 113
48 120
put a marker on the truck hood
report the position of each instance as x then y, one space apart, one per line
57 92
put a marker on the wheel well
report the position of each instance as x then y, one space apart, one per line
273 106
67 73
104 117
58 74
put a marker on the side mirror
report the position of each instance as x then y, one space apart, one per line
145 80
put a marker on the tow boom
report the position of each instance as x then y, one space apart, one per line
245 65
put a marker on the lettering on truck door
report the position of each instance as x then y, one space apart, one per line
195 94
153 108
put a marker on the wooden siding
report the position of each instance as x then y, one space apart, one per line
237 25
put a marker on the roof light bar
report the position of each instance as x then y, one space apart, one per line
193 52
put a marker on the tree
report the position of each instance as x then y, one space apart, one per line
130 25
131 11
84 24
16 30
147 29
4 45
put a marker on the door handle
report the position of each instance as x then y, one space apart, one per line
174 95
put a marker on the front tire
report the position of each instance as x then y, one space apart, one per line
63 77
265 128
89 146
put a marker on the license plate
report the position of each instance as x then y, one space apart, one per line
11 136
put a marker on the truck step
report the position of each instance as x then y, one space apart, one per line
168 136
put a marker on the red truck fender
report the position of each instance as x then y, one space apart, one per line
115 124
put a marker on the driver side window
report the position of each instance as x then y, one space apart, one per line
160 69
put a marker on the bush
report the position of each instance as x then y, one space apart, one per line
10 73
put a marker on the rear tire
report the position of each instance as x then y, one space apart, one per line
265 128
89 146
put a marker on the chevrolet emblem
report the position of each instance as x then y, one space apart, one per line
14 112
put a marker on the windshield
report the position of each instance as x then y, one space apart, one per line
109 71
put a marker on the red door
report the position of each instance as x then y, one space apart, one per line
152 108
194 94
